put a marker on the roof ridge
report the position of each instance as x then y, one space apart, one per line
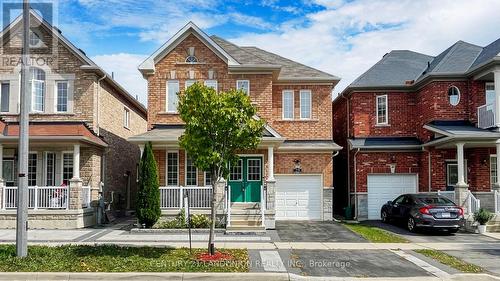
323 72
450 50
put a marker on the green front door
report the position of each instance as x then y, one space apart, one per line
245 179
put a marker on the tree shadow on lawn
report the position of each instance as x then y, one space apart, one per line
121 251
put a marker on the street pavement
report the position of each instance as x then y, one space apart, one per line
303 249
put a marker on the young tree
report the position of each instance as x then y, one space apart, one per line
148 197
218 125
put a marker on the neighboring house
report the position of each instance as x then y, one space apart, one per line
292 166
80 119
418 123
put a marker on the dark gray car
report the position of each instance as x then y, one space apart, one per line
424 211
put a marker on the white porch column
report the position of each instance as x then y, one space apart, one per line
1 161
76 161
496 75
141 147
270 163
461 164
496 185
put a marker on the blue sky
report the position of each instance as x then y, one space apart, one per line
341 37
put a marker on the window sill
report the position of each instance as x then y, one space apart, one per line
297 120
382 125
168 113
47 113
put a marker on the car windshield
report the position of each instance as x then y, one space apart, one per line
436 201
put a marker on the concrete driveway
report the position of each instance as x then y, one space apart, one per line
432 236
315 231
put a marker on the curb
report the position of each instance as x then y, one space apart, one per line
175 230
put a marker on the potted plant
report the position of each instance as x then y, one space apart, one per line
482 217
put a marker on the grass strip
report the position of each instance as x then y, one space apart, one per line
451 261
375 234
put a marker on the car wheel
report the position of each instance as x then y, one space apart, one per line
411 225
384 217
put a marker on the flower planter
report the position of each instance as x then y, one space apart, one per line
481 229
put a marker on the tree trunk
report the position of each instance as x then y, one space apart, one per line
213 215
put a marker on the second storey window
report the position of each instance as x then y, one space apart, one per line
211 84
4 97
189 83
287 104
382 117
454 95
37 89
243 85
172 98
126 117
62 96
305 104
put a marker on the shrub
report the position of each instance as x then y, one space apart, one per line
148 197
200 221
482 216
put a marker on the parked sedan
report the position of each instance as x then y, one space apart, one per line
424 211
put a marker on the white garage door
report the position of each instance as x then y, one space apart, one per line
386 187
298 197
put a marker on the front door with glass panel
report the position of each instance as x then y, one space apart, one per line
245 179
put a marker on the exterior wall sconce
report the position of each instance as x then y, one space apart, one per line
298 168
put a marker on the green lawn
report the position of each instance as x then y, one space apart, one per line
375 234
116 259
451 261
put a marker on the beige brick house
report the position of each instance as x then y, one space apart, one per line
289 175
80 119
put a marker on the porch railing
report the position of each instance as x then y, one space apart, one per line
171 197
39 197
496 195
473 204
448 194
486 116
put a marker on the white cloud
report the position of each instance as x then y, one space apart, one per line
124 66
345 39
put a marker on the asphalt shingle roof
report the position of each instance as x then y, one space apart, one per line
488 53
378 142
394 69
456 59
254 56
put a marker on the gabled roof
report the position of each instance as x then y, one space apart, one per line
190 28
488 53
394 69
240 58
88 63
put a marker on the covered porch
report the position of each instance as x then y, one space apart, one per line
63 175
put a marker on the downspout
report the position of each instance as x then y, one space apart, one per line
98 103
355 186
430 169
348 153
333 156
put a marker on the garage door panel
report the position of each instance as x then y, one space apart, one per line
301 195
386 187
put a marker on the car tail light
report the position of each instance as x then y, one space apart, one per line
460 211
425 210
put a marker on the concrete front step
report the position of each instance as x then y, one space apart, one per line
245 229
493 228
250 217
246 223
245 206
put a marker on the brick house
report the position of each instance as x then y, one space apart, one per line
79 121
418 123
291 170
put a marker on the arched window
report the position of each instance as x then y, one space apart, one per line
453 95
191 59
37 81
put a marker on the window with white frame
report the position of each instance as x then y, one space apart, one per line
243 85
37 82
305 104
211 84
35 40
490 93
126 117
493 170
50 169
191 172
454 95
382 113
173 168
452 173
288 104
67 167
172 98
208 178
189 83
4 97
62 96
32 169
